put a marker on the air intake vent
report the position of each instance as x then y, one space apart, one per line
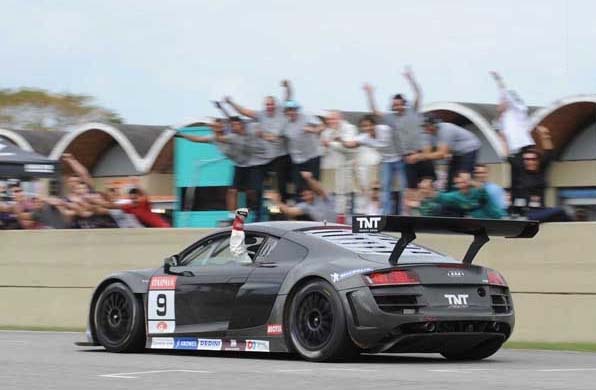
501 303
392 301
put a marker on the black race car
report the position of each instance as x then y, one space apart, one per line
324 291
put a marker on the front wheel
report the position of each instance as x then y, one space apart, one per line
317 324
118 319
479 352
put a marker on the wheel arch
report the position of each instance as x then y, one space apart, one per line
127 280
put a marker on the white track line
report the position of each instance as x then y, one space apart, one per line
131 375
566 369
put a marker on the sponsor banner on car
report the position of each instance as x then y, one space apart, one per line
336 277
233 345
162 342
274 329
209 344
185 343
164 282
161 326
257 346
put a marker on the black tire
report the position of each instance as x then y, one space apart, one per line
118 319
316 324
479 352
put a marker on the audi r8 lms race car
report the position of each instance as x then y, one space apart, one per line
324 291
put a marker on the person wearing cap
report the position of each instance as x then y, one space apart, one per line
405 121
452 142
303 135
339 158
270 122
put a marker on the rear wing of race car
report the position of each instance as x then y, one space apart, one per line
481 229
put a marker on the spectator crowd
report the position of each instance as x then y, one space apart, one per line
283 147
280 152
81 207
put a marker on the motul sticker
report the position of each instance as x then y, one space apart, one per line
274 329
163 283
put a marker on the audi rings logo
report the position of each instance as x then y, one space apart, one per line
455 274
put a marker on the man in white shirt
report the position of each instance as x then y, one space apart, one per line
514 131
340 158
381 137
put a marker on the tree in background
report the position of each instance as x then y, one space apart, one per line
37 109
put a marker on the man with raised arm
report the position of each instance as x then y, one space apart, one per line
270 124
514 132
405 121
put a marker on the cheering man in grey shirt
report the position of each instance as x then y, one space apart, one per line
405 121
270 122
450 140
303 135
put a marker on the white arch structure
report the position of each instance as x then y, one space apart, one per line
543 113
18 139
477 120
142 164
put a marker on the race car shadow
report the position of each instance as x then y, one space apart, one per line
360 359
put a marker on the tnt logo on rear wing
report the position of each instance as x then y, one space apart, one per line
368 224
480 229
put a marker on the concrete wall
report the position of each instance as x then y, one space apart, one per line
46 277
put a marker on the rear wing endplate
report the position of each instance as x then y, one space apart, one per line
481 229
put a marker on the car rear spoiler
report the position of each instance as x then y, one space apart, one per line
481 229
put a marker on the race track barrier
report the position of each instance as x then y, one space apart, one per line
46 277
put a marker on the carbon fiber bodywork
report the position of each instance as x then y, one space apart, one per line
452 305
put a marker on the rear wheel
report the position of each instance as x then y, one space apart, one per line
118 319
317 324
479 352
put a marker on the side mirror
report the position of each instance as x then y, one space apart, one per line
169 262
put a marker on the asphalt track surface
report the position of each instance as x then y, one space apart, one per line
47 360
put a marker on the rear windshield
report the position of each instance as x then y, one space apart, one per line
378 246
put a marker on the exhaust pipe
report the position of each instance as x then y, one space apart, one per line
430 327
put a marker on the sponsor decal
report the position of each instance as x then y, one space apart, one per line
185 343
161 326
39 168
161 304
209 344
336 277
274 329
455 274
162 343
457 299
233 345
163 283
369 224
257 346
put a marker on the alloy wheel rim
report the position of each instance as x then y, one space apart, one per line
314 321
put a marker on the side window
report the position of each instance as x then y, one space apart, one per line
200 254
266 248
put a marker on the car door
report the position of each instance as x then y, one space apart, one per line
274 260
203 291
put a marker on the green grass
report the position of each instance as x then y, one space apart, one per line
577 347
42 328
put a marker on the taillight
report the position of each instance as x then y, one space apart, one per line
496 279
392 278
